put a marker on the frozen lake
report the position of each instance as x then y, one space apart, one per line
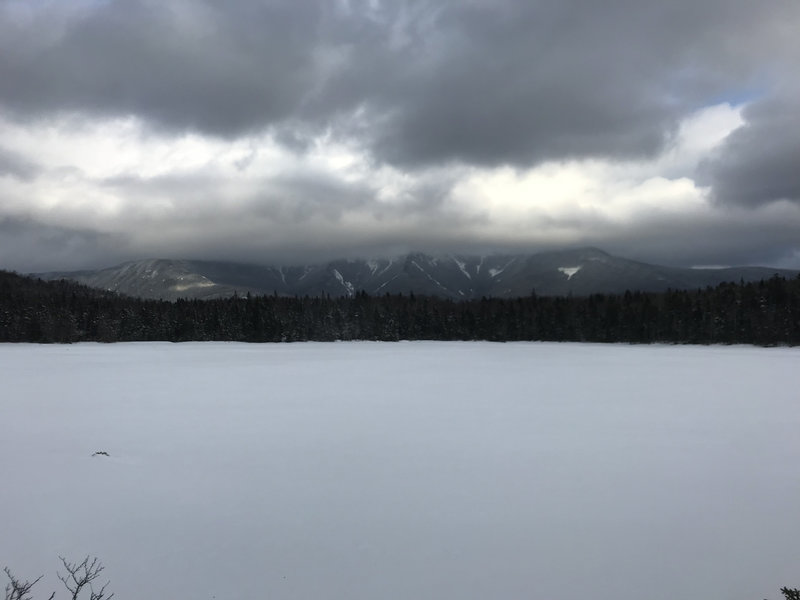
424 470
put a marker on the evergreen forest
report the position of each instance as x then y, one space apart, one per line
764 313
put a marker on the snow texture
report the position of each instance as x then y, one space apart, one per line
411 470
345 284
462 266
569 271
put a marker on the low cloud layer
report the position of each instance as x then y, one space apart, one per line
296 131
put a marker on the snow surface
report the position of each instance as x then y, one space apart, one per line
410 470
494 272
203 283
345 284
569 271
463 266
424 272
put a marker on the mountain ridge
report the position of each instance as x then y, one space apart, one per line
579 271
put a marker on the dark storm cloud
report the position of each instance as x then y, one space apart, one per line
416 82
519 82
206 67
759 163
440 91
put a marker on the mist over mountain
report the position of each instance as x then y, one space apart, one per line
578 272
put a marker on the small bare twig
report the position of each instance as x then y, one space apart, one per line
20 590
79 576
82 574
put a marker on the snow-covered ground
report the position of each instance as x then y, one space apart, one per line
407 471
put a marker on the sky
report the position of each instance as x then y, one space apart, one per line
289 132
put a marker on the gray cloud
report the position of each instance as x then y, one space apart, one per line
294 199
759 163
766 236
519 83
15 165
728 240
435 89
184 67
419 82
27 246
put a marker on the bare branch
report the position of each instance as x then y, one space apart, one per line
79 576
100 595
82 574
19 590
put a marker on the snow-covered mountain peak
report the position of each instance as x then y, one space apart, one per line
457 277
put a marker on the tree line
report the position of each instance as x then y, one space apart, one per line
761 313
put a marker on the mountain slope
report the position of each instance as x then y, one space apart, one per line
577 272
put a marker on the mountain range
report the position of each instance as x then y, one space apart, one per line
578 272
